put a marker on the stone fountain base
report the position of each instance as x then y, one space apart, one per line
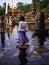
41 49
22 54
22 46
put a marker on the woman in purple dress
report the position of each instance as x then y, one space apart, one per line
22 31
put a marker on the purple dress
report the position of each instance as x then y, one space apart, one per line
22 35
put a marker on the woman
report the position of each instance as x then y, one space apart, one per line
22 31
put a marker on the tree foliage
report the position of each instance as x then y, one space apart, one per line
45 4
2 10
25 7
19 4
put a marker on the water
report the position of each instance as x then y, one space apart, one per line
11 38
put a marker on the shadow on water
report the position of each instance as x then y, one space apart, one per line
9 30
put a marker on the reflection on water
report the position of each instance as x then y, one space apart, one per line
9 30
3 38
5 34
2 34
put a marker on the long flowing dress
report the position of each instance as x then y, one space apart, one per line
22 34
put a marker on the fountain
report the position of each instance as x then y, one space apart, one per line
41 32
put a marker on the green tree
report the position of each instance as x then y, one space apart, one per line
27 8
4 7
44 3
19 4
1 11
24 7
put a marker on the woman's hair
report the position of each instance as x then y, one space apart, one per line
22 18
